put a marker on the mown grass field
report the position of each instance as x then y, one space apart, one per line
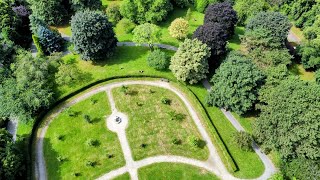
173 171
150 123
67 138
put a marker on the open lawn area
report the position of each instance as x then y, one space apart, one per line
156 124
298 69
71 144
127 61
171 171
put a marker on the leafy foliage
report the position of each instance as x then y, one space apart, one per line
182 3
222 13
146 33
243 140
270 58
301 168
11 159
50 11
80 5
113 13
126 25
142 11
189 63
236 84
68 73
248 8
275 23
292 126
92 35
310 54
179 28
158 60
201 5
318 76
51 41
214 35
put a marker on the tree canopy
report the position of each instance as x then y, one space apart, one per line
189 63
93 35
79 5
222 13
248 8
289 119
146 33
142 11
214 35
236 84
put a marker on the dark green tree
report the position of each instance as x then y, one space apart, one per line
49 11
301 168
236 84
79 5
142 11
289 119
93 35
310 54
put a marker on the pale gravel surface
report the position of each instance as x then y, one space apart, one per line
12 127
269 166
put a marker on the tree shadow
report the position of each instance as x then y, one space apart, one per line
53 159
122 55
202 144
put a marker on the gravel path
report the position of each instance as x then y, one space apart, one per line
293 37
12 127
217 164
269 166
214 165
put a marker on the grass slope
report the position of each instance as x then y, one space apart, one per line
172 171
250 165
150 123
76 132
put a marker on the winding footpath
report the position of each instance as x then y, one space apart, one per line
214 163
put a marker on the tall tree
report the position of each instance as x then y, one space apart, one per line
236 84
248 8
93 35
222 13
214 35
289 119
189 63
142 11
49 11
79 5
146 33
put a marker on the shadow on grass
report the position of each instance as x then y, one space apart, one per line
52 160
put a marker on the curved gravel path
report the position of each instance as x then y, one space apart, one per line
269 166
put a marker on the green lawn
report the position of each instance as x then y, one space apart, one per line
298 69
74 133
126 61
250 165
170 171
151 124
125 176
246 121
235 43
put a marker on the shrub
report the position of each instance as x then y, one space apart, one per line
243 140
87 118
92 142
201 5
176 141
165 100
51 41
92 35
113 13
222 13
179 28
124 89
158 60
176 116
214 35
194 141
189 63
142 11
91 163
126 25
61 159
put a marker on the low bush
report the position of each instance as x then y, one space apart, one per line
87 118
158 60
176 141
165 100
194 141
92 142
243 140
91 163
201 5
113 13
126 25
